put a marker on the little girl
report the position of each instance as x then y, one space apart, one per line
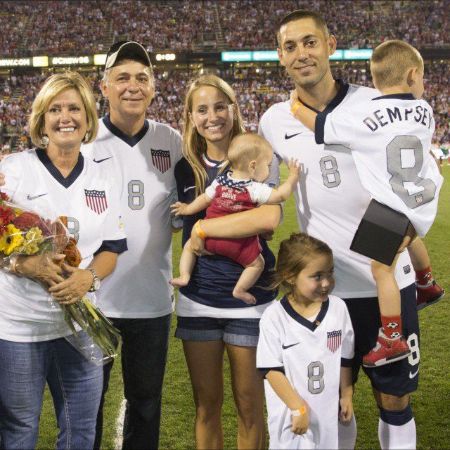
305 349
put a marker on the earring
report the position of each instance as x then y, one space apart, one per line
44 141
86 138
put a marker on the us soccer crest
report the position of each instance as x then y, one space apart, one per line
161 159
334 339
96 200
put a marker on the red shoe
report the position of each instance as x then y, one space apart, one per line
428 295
386 351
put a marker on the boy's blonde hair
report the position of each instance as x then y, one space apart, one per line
246 147
390 62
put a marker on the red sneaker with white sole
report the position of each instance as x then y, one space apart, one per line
386 351
428 295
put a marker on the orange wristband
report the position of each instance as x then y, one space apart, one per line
199 230
299 412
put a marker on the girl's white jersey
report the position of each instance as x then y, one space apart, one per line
390 140
310 354
330 198
143 170
90 201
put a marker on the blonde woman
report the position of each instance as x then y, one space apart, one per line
33 349
210 321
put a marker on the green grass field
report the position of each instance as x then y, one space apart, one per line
431 403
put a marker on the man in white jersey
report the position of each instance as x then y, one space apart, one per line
137 297
330 204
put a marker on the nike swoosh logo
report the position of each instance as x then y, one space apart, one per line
284 347
188 188
101 160
414 374
289 136
32 197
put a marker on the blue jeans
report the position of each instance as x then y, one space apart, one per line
75 385
144 353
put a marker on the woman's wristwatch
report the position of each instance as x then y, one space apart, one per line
96 283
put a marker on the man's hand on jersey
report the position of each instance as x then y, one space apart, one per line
45 268
74 287
346 409
178 208
300 423
2 179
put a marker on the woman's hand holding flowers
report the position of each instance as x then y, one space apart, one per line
72 288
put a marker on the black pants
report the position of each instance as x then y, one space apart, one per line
144 355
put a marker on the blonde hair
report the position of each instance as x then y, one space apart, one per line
390 62
294 254
246 147
194 145
53 86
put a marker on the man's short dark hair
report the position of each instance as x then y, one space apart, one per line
303 14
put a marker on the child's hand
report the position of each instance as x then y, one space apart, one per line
300 423
294 169
346 410
178 208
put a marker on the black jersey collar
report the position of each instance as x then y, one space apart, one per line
342 92
130 140
320 119
300 319
66 182
400 96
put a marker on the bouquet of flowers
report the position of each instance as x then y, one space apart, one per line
27 233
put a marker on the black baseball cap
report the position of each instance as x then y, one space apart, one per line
127 50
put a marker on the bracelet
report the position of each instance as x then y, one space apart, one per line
299 412
295 107
199 230
12 266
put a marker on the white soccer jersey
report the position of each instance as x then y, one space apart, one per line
143 168
330 198
390 140
90 201
310 355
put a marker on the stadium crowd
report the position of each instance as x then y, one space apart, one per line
65 27
257 88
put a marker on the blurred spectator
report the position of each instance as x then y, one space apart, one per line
257 87
79 27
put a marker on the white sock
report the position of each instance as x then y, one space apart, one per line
397 436
347 435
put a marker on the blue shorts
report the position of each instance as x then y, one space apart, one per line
241 332
398 378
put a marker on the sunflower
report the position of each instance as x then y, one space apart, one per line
11 239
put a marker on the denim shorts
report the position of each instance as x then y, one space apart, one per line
241 332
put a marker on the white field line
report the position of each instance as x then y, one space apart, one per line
119 426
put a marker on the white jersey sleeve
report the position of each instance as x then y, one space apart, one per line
330 197
259 192
210 191
390 140
268 352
